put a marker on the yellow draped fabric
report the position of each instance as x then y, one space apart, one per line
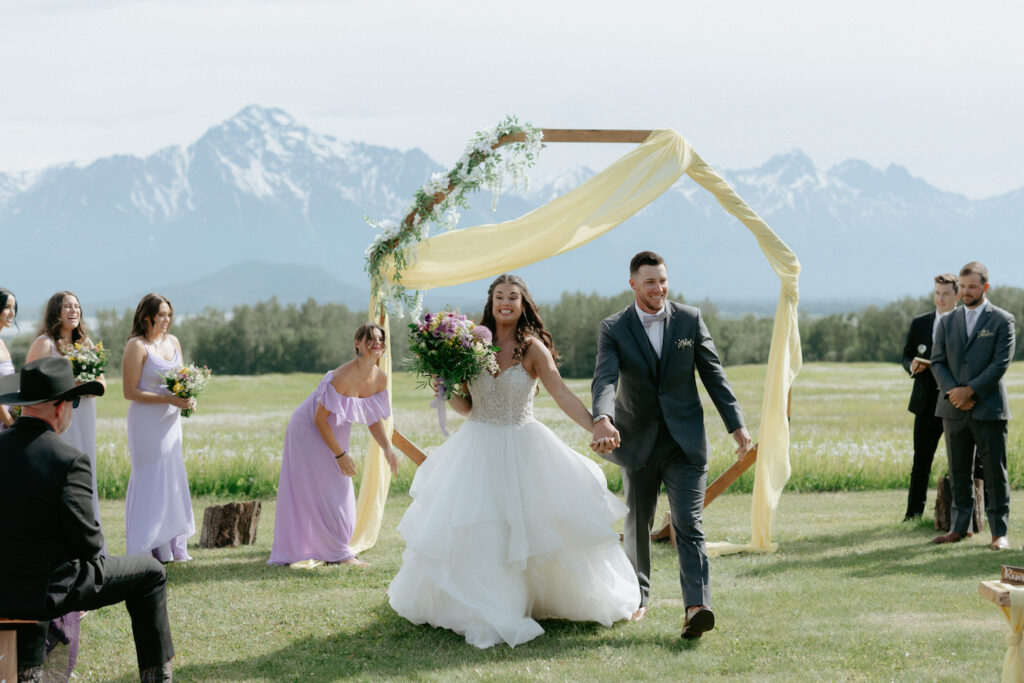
587 212
373 490
1013 660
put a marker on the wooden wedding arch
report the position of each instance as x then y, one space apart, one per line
662 155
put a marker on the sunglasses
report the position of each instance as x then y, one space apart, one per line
74 402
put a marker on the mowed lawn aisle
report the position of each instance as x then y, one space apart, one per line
853 594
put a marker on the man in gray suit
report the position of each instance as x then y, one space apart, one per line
653 427
973 347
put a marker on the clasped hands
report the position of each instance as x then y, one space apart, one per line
962 398
606 438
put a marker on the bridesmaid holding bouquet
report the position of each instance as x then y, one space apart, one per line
158 510
63 326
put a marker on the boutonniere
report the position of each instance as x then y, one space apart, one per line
985 333
684 343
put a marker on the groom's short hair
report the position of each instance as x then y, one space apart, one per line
644 258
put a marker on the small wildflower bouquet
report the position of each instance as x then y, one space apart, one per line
87 361
187 382
452 347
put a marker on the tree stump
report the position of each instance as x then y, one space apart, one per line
230 525
944 503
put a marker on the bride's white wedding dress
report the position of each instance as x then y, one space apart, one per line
509 525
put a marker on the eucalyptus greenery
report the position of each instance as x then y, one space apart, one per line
438 202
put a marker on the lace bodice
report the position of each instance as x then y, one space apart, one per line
506 399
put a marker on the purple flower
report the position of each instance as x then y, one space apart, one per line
483 334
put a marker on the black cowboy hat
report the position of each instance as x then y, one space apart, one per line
46 379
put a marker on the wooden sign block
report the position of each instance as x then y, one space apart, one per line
1013 575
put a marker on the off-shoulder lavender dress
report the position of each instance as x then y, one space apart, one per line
316 506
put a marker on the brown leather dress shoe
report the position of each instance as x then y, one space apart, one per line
640 613
1000 543
698 621
950 537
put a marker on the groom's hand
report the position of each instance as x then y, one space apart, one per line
606 436
743 441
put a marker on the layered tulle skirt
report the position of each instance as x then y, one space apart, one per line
509 525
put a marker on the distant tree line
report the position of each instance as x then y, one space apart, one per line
271 337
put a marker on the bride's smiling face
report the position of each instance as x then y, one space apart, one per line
507 303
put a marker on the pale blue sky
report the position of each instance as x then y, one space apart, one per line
935 86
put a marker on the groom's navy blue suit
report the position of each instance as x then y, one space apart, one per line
657 411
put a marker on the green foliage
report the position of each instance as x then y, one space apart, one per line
264 338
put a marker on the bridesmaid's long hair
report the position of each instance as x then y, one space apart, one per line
529 323
51 319
5 296
146 312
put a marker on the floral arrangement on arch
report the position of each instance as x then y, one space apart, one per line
438 201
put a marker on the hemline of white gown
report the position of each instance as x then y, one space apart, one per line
509 525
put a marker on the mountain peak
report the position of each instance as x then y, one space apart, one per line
261 117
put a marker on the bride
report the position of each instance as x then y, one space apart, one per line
508 524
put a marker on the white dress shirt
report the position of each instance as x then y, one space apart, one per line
655 330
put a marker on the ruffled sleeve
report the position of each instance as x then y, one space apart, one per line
368 411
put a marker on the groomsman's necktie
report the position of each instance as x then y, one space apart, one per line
971 318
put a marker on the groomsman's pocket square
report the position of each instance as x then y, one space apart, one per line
684 343
985 333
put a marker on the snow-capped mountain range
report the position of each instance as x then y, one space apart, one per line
263 187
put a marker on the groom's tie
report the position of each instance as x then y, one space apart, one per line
649 319
652 329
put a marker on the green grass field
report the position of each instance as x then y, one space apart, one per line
852 594
850 430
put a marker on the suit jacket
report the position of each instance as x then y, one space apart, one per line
650 389
979 362
925 393
51 536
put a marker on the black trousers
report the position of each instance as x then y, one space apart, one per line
139 582
684 483
990 438
927 432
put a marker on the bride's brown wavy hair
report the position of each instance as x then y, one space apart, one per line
529 323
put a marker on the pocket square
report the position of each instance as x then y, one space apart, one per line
684 343
985 333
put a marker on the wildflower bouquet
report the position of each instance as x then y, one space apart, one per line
452 347
187 382
87 361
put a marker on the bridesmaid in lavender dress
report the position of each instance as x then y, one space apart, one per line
158 510
8 311
63 325
315 503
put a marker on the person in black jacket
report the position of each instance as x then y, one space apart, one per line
927 427
52 562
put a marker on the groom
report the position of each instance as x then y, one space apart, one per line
651 351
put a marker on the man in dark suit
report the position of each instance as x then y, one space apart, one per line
925 394
52 562
973 347
653 426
